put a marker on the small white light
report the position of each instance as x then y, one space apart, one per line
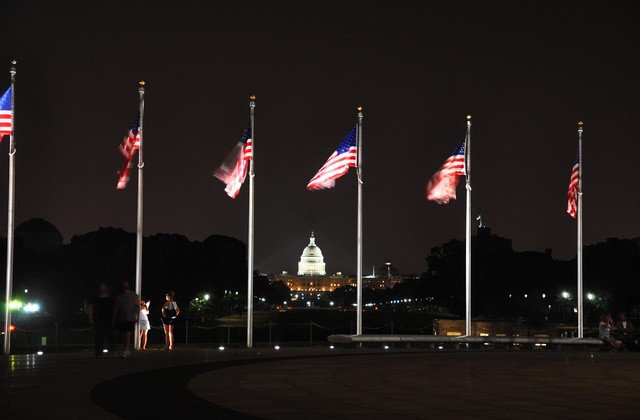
386 347
40 353
277 347
105 351
440 347
331 347
221 348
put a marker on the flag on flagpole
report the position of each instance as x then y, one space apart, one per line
5 114
572 194
442 185
130 143
337 165
233 170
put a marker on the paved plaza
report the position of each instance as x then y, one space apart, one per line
323 383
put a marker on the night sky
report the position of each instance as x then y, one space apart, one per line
526 71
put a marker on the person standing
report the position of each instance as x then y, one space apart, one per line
170 311
100 316
143 323
126 315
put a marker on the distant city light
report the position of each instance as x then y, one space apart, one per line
105 351
206 296
386 347
277 347
31 307
221 348
590 296
40 353
15 305
331 303
331 347
544 295
565 295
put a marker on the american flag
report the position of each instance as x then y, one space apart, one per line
234 168
130 143
5 114
572 194
337 165
442 185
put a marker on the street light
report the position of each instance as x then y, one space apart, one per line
31 307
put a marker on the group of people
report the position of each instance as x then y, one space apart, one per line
618 336
122 313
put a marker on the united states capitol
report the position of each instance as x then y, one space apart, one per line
313 282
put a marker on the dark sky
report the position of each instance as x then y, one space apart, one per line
526 71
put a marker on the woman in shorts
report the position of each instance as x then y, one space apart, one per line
170 311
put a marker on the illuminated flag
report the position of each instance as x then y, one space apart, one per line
572 194
131 141
5 114
442 185
127 148
337 165
123 175
234 168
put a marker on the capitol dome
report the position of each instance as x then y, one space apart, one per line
311 261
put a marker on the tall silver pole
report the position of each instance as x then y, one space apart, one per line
10 215
140 207
359 248
580 291
252 106
467 150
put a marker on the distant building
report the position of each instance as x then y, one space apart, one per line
312 278
388 276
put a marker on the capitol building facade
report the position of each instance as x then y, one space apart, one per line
312 279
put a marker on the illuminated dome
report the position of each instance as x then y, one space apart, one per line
311 261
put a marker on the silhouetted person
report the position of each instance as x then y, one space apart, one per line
126 315
101 312
624 331
170 311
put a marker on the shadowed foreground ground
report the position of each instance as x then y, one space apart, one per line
323 383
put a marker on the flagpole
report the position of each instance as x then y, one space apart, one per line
140 208
252 106
468 229
579 257
359 234
10 215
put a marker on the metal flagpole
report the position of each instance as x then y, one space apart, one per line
580 292
252 106
467 150
140 207
10 215
359 248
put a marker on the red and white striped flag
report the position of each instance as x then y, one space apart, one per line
572 194
5 114
442 185
233 170
338 164
130 143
